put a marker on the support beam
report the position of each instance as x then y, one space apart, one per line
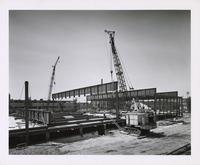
101 130
167 94
26 113
117 106
127 95
91 90
104 127
81 131
47 135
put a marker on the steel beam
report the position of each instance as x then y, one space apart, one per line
127 95
91 90
167 94
26 113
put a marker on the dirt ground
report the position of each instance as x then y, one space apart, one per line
167 137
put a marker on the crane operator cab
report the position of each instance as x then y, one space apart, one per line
141 119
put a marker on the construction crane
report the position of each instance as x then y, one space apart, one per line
52 79
117 64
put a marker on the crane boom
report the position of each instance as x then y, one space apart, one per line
52 79
117 63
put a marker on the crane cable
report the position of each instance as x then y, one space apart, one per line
54 81
125 71
54 84
20 96
111 64
50 82
123 66
109 52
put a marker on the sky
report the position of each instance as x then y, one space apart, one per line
153 45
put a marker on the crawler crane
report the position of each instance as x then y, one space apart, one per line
139 120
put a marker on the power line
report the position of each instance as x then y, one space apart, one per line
20 96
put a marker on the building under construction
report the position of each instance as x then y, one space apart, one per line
132 110
117 95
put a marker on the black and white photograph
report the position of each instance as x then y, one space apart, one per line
99 82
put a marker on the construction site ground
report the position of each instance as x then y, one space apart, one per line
167 137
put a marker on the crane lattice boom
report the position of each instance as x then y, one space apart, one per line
117 63
52 80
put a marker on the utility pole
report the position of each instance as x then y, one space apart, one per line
26 112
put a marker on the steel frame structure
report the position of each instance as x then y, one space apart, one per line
91 90
126 95
164 103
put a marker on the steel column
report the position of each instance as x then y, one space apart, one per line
26 113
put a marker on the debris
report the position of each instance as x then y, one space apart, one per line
182 150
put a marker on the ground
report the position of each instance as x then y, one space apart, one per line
164 139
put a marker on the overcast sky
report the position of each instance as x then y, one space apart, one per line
154 47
